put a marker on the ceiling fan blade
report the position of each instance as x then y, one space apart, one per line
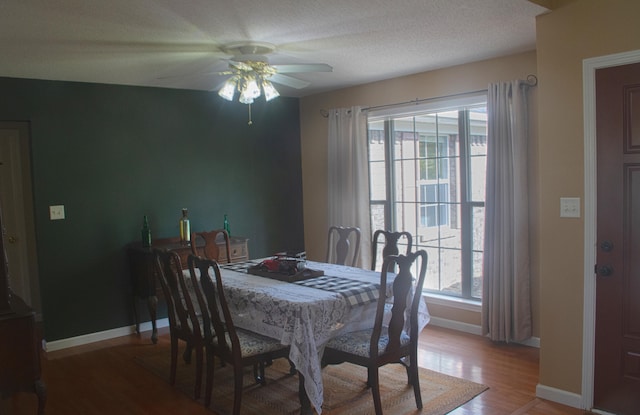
303 67
219 86
289 81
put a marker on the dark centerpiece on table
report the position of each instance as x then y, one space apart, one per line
285 267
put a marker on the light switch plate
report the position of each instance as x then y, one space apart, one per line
569 207
56 212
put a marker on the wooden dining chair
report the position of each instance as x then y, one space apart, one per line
184 323
343 243
391 244
223 340
382 345
211 249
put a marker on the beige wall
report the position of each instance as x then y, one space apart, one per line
454 80
565 37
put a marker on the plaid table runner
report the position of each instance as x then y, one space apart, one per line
240 266
355 292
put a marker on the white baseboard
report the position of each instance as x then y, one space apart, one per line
474 329
531 342
560 396
456 325
102 335
566 398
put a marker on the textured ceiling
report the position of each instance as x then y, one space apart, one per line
178 44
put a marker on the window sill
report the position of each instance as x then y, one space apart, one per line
453 302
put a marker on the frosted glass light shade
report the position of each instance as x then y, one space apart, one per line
245 97
228 90
252 89
270 91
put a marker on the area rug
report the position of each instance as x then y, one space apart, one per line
345 390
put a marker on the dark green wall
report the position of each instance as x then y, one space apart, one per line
111 154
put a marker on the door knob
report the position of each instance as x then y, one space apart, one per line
604 270
13 239
606 246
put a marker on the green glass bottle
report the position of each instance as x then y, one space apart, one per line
146 233
226 224
185 228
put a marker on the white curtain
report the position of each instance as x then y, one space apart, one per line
348 177
506 297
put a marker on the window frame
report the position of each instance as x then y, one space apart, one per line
467 205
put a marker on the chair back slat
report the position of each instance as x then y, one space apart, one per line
391 244
167 291
211 249
407 291
212 299
339 245
179 302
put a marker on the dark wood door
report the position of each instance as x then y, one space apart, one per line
617 350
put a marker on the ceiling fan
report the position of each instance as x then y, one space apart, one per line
251 74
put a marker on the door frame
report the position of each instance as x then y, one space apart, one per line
29 272
589 67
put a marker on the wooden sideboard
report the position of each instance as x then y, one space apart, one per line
143 273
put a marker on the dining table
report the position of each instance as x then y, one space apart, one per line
306 314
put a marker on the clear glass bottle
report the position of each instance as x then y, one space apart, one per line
226 224
185 228
146 233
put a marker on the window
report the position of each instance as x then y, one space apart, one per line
427 176
432 212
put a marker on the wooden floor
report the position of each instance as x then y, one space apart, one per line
102 378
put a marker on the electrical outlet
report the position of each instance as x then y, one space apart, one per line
569 207
56 212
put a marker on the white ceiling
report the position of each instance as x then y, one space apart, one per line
177 43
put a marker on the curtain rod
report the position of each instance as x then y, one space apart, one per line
531 81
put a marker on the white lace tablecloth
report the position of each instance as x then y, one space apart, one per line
304 318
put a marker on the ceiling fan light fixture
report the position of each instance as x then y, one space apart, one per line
251 74
249 89
270 91
245 99
252 88
228 90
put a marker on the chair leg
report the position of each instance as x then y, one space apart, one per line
408 370
237 389
258 372
416 389
174 360
414 377
209 380
198 385
187 353
375 389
